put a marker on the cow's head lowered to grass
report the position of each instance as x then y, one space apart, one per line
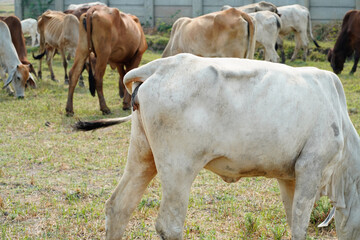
20 79
237 118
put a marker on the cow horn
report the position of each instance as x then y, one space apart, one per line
10 78
33 84
326 222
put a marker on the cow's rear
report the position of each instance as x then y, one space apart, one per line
229 33
115 38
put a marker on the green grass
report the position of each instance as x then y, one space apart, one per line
54 182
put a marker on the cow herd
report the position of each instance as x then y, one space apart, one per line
207 104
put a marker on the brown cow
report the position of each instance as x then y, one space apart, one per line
115 38
58 31
229 33
347 42
17 38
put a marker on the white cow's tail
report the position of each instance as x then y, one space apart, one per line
92 125
310 32
133 79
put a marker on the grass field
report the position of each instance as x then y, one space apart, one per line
54 181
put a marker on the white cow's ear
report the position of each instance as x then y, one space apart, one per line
10 78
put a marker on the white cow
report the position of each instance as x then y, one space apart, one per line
29 26
18 73
89 4
238 118
267 28
295 18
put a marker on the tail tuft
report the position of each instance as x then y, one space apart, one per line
316 44
91 125
103 123
39 56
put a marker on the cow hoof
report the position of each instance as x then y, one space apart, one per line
69 113
351 73
106 112
125 108
55 80
66 82
81 83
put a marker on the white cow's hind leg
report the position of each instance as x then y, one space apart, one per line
176 182
287 190
33 39
139 171
297 46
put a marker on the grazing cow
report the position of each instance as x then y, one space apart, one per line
248 128
255 7
18 73
29 26
18 40
347 42
268 25
90 4
115 38
295 18
229 33
58 31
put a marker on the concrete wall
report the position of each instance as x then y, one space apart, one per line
154 12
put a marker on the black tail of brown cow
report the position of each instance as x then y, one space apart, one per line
40 56
88 28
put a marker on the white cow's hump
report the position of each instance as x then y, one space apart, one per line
224 69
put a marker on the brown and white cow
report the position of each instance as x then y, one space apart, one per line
77 12
82 5
18 73
248 128
347 42
255 7
116 38
18 40
295 18
58 32
229 33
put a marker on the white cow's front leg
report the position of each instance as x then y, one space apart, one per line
308 177
3 76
